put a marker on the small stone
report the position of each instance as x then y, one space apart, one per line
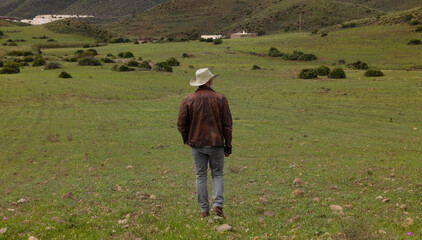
385 200
3 230
129 167
90 169
152 197
297 193
392 175
316 199
67 195
223 228
269 214
336 208
263 200
119 188
122 222
22 200
167 229
125 226
128 216
297 181
210 221
32 238
50 228
348 206
403 207
379 198
408 222
382 232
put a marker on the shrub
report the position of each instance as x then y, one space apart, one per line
92 52
71 59
209 40
218 41
185 55
133 63
308 73
1 64
15 53
414 22
110 55
419 29
337 73
1 33
202 40
125 54
120 40
51 40
107 60
307 57
64 75
172 62
38 62
28 59
274 52
86 45
255 67
135 42
115 67
52 65
9 70
144 65
374 73
358 65
89 61
324 34
163 67
124 68
140 59
414 42
28 53
323 71
341 61
23 64
170 39
292 57
79 52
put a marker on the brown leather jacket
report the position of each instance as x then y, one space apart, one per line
205 120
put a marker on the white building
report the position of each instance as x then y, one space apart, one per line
43 19
211 36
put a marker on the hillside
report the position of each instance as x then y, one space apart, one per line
411 16
105 10
387 6
178 17
31 8
79 27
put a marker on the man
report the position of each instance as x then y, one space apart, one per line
205 123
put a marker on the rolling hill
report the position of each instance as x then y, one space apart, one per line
181 17
387 6
103 10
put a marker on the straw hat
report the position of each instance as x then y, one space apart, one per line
202 76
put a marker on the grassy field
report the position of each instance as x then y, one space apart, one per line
110 139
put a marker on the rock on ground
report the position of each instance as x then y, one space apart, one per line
223 228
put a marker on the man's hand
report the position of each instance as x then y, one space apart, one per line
226 154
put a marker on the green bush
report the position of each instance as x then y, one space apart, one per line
133 63
64 75
144 65
120 40
374 73
172 62
52 65
323 71
38 62
86 45
1 64
15 53
71 59
79 52
337 73
414 42
89 61
292 57
414 22
274 52
218 41
124 68
358 65
125 54
9 70
92 52
255 67
23 64
28 59
419 29
140 59
163 67
28 53
51 40
307 57
107 60
209 40
308 73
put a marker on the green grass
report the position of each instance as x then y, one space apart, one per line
344 147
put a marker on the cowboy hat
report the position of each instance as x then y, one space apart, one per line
202 76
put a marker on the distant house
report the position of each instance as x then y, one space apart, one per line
211 36
243 35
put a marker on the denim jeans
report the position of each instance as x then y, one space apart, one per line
215 157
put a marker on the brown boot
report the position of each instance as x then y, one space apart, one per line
205 214
218 211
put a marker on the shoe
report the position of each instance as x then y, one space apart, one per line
205 214
218 211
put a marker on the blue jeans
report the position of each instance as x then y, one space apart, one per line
215 157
